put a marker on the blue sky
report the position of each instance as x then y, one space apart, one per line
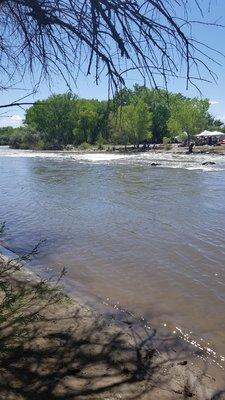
215 92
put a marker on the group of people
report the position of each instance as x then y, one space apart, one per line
209 140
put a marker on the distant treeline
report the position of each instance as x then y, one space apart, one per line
132 117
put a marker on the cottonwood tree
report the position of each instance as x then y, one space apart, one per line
131 124
188 115
111 37
52 117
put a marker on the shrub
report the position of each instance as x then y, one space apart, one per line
84 146
26 137
167 143
100 142
5 135
22 302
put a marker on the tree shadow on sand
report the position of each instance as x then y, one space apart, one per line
75 357
55 349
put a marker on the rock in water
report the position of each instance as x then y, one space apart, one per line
208 163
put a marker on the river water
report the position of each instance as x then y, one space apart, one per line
150 238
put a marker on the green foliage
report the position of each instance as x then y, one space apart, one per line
100 142
158 102
5 135
188 115
131 124
26 137
123 97
214 124
52 117
167 142
64 119
134 116
86 120
84 146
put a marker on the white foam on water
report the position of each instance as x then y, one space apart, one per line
98 157
7 152
164 160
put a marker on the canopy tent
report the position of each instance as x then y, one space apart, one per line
210 134
217 133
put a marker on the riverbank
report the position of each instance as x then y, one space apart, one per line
158 148
69 351
130 149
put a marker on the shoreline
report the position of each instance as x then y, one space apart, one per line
78 353
119 149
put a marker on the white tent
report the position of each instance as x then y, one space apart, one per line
203 134
217 133
210 134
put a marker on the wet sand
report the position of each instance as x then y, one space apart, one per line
72 352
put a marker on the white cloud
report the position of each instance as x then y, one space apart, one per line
213 102
13 120
16 118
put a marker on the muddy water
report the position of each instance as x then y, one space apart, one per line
150 238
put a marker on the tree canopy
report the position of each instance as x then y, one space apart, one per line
134 116
131 124
5 135
188 115
53 117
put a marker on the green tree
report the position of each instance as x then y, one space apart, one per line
188 115
6 133
123 97
158 102
86 121
131 124
53 117
215 124
135 116
26 137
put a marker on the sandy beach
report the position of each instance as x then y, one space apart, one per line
69 351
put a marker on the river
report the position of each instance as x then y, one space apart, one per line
149 238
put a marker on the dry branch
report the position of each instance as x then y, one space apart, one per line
67 37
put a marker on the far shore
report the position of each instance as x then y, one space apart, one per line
130 149
72 352
158 148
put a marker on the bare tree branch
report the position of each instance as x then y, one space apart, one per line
98 37
16 104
